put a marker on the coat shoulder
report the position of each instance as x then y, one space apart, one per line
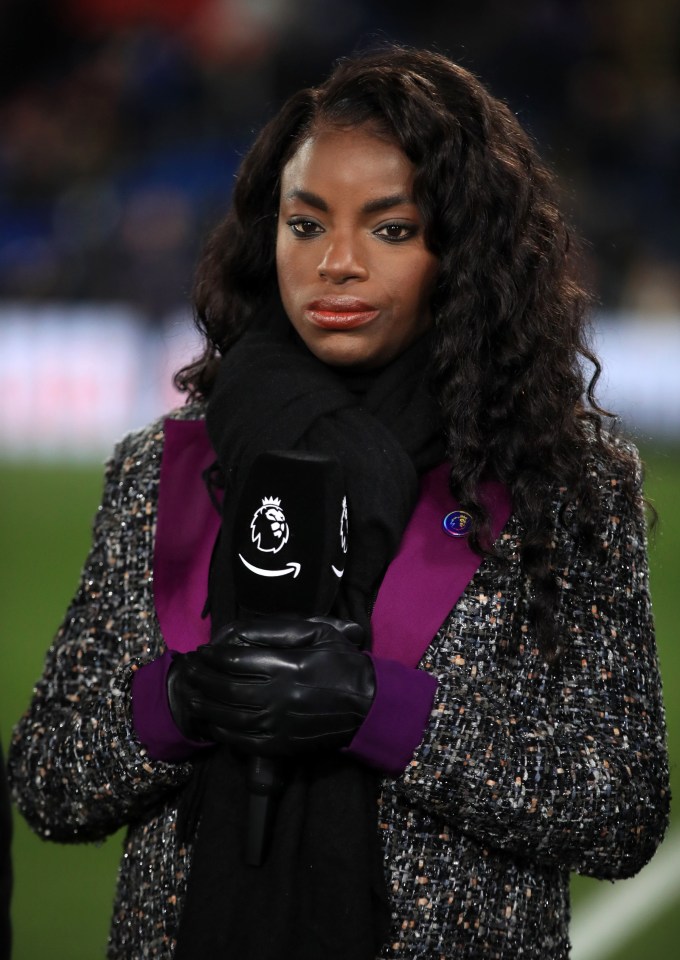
145 444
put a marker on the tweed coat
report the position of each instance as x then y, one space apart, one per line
524 773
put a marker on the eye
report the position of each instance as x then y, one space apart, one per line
301 227
396 232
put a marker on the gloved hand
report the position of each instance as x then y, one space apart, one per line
274 686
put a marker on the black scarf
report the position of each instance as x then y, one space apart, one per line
321 891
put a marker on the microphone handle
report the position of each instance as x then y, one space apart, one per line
264 785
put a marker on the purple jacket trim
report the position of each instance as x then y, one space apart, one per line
394 726
152 717
186 529
184 543
429 564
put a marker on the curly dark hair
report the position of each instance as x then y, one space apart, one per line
509 309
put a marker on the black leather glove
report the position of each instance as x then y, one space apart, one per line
275 686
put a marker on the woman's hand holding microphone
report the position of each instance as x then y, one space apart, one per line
275 687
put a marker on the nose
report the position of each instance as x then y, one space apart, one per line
342 260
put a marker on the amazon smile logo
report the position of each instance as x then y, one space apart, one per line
290 568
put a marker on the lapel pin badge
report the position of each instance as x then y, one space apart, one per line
458 523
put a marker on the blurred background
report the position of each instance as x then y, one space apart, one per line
121 127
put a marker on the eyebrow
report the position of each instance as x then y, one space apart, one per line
385 203
372 206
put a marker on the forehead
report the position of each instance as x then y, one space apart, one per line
355 158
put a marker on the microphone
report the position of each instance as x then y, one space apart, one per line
291 538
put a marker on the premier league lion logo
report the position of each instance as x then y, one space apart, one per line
268 527
344 525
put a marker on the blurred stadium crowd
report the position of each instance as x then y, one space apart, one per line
121 122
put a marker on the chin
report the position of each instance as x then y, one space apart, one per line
343 354
347 359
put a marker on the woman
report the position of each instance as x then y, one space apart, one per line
395 287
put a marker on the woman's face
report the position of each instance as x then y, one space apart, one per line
354 273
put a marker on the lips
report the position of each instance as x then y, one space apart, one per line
340 313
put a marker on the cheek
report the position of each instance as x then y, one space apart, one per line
290 268
280 257
417 283
284 273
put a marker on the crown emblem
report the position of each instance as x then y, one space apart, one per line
269 528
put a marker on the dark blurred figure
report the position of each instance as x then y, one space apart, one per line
36 43
5 863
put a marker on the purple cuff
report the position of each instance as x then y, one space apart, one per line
151 715
395 724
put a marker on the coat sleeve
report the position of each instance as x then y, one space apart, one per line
567 766
77 770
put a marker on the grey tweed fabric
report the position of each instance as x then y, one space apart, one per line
523 775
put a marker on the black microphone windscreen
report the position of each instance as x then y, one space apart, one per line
290 534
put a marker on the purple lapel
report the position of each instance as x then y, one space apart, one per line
429 566
186 529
